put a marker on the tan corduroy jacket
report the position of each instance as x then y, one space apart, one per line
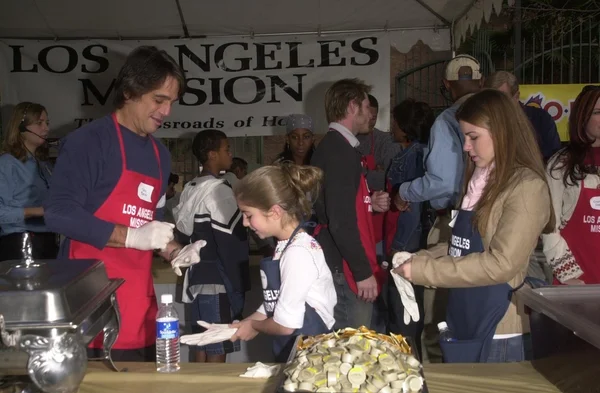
516 222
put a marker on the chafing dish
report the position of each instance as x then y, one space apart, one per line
50 310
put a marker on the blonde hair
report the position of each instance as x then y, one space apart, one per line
290 186
497 79
515 147
26 113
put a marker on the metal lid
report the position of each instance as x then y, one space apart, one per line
50 293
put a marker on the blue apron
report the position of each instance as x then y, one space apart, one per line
473 313
271 282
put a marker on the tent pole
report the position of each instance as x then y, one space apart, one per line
303 33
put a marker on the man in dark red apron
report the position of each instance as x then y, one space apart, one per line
344 208
109 191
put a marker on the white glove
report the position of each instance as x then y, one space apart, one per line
188 256
407 295
405 288
260 370
400 257
215 333
154 235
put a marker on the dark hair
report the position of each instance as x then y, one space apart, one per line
206 141
237 162
572 158
373 102
173 178
145 70
414 119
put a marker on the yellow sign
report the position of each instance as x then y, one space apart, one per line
554 99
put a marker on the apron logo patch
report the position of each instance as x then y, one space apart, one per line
145 192
458 245
595 203
270 297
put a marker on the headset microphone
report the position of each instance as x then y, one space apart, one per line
49 141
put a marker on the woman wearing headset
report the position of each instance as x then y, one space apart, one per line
24 180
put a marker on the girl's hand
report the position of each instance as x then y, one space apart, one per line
245 331
404 270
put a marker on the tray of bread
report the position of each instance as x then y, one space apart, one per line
353 361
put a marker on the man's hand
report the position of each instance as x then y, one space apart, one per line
154 235
380 200
574 281
245 331
400 203
188 256
367 289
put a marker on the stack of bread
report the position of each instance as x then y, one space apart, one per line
354 361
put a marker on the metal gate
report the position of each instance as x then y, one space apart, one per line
423 83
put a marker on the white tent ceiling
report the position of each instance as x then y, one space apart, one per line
153 19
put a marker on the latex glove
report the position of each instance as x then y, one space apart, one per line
154 235
406 290
407 295
400 257
188 256
215 333
260 370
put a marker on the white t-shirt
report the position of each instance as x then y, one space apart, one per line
305 278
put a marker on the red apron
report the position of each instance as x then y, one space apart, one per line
371 164
390 223
132 203
582 234
364 219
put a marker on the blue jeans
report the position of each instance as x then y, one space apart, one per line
514 349
350 311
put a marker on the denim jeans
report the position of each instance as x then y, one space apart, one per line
350 311
514 349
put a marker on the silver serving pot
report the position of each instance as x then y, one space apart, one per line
49 312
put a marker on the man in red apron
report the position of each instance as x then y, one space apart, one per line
111 180
379 148
344 208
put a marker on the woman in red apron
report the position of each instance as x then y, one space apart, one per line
572 250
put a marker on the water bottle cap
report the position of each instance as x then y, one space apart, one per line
442 326
167 298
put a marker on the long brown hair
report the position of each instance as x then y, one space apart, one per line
572 158
26 113
292 187
515 147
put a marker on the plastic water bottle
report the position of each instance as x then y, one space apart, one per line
445 332
167 336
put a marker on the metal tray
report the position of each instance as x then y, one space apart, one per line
282 376
63 293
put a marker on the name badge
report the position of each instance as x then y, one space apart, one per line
453 216
595 203
145 192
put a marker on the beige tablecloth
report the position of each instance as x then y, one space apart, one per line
224 378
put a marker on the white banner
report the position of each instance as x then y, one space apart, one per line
242 86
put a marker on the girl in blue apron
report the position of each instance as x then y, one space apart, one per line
298 291
505 208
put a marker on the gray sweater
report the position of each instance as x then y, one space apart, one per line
385 150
